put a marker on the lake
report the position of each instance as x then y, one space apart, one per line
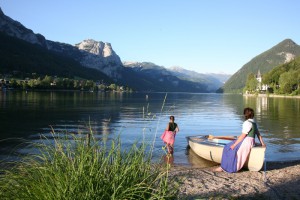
144 116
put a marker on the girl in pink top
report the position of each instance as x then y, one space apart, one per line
169 135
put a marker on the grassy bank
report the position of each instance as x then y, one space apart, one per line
82 168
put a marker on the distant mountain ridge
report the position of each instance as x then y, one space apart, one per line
281 53
209 82
164 78
52 58
215 80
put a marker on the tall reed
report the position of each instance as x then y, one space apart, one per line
81 168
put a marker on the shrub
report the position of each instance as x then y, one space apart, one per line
79 168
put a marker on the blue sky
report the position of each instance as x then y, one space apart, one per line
203 36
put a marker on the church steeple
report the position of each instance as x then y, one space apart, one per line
258 76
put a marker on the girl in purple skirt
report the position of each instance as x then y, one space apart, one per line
236 153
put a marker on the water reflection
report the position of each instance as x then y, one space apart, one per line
278 120
196 161
143 116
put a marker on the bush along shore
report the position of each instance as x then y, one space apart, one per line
80 167
59 83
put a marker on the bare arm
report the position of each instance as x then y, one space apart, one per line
168 127
260 139
241 137
177 128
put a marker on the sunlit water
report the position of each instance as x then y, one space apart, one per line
144 116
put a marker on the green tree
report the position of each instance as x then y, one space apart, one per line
59 83
112 87
13 83
31 83
46 82
251 83
297 74
288 82
68 83
101 87
24 85
76 84
37 82
89 85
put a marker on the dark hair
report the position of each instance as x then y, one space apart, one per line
172 117
248 113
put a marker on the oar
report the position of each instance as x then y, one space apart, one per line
221 137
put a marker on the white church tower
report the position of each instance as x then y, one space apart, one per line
260 86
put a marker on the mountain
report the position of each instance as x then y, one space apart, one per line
88 53
214 81
24 51
91 54
17 30
282 53
148 68
176 77
222 77
286 76
163 78
23 59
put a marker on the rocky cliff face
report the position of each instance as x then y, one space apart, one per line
97 54
16 29
89 53
92 54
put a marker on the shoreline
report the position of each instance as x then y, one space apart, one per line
272 95
281 180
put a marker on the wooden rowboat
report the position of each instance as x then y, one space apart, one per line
211 148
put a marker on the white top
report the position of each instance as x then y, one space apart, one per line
247 125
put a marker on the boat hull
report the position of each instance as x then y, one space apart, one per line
212 150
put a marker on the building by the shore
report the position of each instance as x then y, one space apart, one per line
260 86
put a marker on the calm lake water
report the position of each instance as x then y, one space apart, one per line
135 117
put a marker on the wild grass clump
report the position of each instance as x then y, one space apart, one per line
81 168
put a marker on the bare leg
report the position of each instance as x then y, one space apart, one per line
218 169
170 149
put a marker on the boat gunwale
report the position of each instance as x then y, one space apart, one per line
213 144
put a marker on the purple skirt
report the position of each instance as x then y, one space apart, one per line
229 157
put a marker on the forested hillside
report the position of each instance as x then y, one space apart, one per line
23 59
284 79
282 53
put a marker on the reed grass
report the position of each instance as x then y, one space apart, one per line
83 168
